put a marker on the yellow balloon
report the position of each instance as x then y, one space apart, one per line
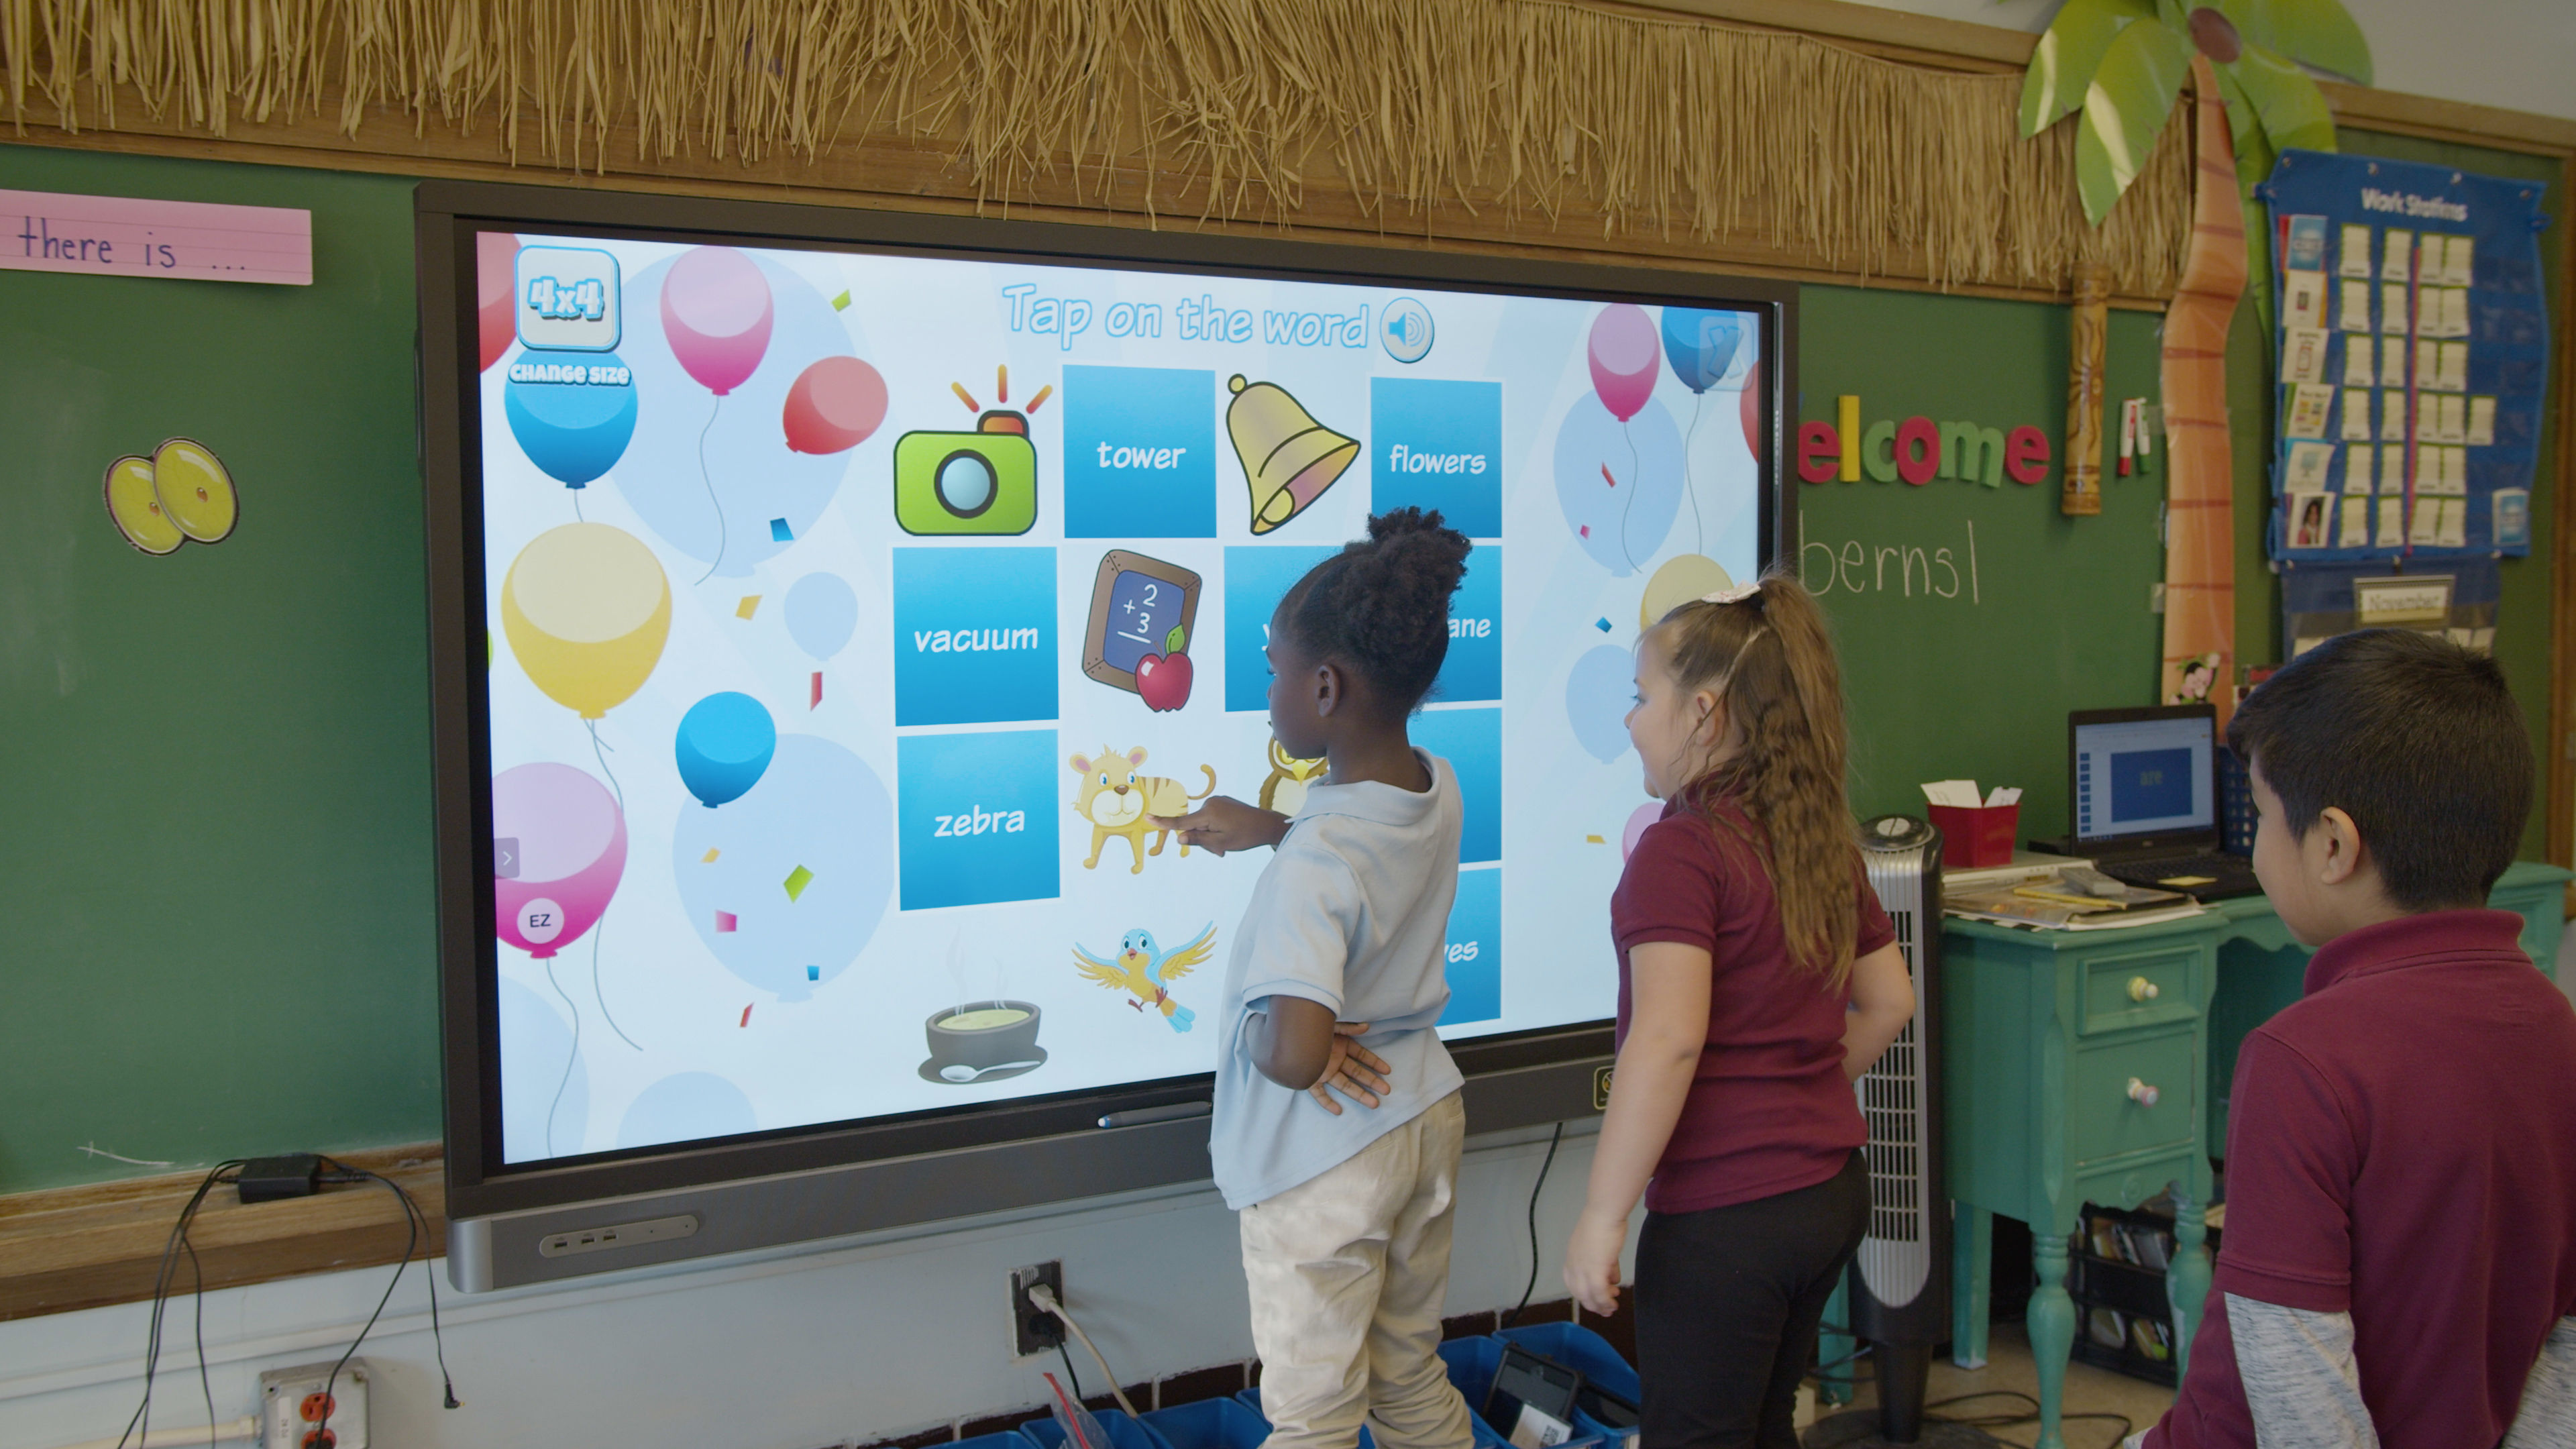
587 609
1682 578
195 489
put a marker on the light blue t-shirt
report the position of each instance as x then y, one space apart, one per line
1353 912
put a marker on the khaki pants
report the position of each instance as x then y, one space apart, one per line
1347 1274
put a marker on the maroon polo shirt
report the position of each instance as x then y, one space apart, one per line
2401 1146
1769 1110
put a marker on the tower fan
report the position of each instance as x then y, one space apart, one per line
1899 1286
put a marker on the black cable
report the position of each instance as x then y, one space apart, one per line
415 1224
162 1280
1545 1163
1070 1376
197 1287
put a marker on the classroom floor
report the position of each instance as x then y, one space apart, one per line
2009 1369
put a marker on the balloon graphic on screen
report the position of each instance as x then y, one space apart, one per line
1619 484
1598 690
1643 816
587 609
558 848
724 745
572 431
496 282
1751 408
545 1084
686 1107
787 884
1624 358
833 406
822 612
718 479
716 311
1701 344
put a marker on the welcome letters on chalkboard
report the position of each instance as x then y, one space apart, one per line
1918 450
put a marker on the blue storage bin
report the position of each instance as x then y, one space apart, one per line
1007 1439
1485 1437
1209 1424
1590 1354
1578 1348
1124 1432
1472 1362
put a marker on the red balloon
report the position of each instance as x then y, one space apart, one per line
1753 410
834 406
496 264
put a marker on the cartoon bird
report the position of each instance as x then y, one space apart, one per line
1144 971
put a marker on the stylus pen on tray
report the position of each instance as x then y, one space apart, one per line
1142 1115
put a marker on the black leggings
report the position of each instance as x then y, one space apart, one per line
1728 1303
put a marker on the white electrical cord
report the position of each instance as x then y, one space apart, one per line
1044 1297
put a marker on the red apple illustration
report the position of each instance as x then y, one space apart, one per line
1163 681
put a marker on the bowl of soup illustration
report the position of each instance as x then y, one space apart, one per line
983 1034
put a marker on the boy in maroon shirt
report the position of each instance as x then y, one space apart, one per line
2400 1258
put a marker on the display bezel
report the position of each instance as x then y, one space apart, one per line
447 217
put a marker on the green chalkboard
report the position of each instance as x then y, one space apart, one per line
1972 677
215 885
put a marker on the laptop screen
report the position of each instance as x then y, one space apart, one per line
2145 777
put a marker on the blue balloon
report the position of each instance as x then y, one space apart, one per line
724 746
574 430
1597 691
1700 344
687 1107
821 613
819 810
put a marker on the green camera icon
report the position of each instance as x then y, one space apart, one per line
985 481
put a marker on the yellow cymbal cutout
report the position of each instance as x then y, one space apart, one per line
195 490
137 511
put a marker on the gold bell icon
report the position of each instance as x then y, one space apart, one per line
1288 458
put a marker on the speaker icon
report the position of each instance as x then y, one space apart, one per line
1408 330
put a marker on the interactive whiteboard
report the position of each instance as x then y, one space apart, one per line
849 611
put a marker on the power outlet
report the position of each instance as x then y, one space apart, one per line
1033 1329
291 1406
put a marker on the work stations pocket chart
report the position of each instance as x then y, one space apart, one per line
2412 342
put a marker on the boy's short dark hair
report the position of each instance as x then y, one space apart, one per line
2415 738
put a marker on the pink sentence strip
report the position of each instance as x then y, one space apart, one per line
130 236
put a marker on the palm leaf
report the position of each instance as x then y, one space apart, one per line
2062 67
2320 33
2125 108
2292 109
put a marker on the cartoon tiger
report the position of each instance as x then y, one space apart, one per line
1117 800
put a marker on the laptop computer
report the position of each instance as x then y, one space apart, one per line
2142 785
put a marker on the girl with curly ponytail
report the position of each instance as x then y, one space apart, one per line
1336 986
1758 978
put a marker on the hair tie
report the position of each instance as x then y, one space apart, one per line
1736 595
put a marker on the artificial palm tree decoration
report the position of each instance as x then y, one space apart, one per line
2123 62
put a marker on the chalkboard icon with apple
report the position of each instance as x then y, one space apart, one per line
1143 614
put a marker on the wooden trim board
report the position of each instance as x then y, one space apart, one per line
87 1247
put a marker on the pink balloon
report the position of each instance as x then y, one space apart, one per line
1626 358
835 405
1646 814
558 848
716 315
1752 404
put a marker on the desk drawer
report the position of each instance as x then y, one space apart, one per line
2131 989
2105 1118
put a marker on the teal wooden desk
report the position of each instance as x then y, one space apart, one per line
2091 1067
